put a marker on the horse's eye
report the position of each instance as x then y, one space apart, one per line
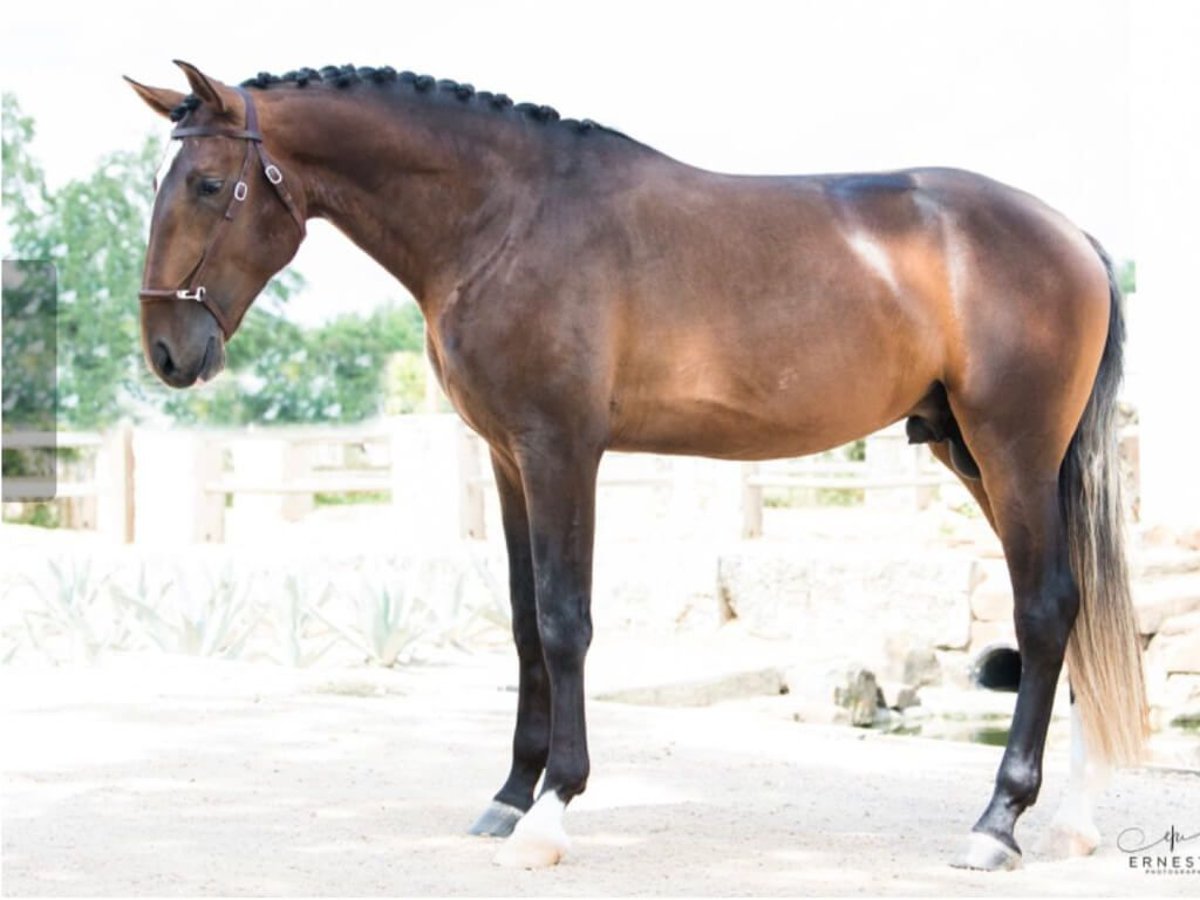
210 186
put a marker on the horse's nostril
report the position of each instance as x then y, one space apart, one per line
162 358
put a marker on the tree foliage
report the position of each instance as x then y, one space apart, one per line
282 373
92 230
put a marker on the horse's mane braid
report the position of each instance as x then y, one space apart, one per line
349 75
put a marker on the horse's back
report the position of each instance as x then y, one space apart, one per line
777 316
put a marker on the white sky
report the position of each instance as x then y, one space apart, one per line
1033 93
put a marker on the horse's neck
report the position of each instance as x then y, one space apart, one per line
424 191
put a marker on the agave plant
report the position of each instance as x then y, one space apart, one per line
299 622
464 620
73 605
389 618
214 619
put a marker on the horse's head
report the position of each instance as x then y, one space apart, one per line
224 222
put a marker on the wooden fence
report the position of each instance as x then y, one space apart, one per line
177 486
94 488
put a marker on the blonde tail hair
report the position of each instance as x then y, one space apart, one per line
1104 655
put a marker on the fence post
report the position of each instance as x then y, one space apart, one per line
80 511
752 502
265 458
890 457
470 467
114 485
171 503
684 509
426 477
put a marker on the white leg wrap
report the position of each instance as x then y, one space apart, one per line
539 840
1072 832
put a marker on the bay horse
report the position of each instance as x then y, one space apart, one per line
582 291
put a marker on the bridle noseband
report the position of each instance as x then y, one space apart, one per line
192 288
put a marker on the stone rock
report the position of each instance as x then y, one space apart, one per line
859 694
885 719
738 685
922 668
843 597
900 697
1175 701
1175 653
991 591
956 668
992 603
819 714
1163 598
1181 624
1155 562
984 634
912 661
1158 536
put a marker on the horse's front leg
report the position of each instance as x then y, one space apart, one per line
531 738
559 477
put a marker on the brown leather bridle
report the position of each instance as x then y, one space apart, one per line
192 288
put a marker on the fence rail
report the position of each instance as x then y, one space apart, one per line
151 485
103 501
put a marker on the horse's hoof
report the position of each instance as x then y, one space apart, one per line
539 840
988 854
498 820
1065 840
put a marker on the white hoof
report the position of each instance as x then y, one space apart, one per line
988 854
539 840
1066 840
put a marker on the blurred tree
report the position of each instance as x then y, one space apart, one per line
1127 276
24 185
93 232
406 388
280 372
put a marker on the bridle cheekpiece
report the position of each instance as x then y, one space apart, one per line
193 287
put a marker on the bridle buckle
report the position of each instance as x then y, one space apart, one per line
197 295
273 174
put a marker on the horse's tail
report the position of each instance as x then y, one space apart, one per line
1104 655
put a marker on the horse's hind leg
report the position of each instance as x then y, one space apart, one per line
1073 831
941 451
531 739
1020 478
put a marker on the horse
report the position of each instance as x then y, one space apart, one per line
584 292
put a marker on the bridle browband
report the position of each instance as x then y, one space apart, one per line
192 288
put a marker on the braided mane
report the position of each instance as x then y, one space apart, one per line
350 76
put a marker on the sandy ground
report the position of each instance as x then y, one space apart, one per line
174 776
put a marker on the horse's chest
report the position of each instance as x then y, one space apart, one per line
465 379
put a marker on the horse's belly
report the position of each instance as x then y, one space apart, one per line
789 422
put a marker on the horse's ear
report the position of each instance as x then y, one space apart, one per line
161 100
209 90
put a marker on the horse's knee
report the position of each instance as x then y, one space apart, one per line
565 634
528 640
1044 619
1020 781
